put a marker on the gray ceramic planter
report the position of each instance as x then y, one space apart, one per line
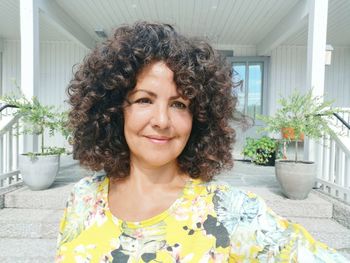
296 179
39 172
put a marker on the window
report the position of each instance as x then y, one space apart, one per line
253 72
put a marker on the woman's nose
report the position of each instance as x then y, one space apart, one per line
160 118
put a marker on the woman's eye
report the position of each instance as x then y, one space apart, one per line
143 101
179 105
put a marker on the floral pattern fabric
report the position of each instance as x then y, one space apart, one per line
210 222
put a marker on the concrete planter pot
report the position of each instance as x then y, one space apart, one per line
39 172
295 178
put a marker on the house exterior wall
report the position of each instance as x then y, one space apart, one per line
287 70
11 65
56 69
56 62
337 77
244 51
288 73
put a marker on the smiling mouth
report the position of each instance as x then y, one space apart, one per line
158 139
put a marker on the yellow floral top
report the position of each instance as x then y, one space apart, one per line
209 222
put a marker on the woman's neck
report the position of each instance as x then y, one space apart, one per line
144 178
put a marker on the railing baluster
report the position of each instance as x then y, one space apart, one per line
2 154
337 166
347 172
1 159
325 162
10 156
9 148
6 157
17 149
331 161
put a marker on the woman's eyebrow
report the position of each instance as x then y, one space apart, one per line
143 90
153 94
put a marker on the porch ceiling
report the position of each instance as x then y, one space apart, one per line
224 22
338 28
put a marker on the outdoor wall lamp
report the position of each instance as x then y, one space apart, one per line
328 59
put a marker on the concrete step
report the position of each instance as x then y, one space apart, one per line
29 223
53 198
27 250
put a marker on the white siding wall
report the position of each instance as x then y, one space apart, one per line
11 58
337 78
239 50
56 62
244 51
288 72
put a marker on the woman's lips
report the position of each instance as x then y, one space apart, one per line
158 139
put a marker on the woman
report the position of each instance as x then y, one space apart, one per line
152 109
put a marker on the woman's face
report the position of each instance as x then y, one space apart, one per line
158 121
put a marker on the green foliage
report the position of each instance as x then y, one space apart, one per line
261 150
47 151
38 118
306 114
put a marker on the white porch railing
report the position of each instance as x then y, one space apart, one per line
9 148
334 162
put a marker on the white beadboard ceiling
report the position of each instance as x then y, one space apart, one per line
224 22
338 27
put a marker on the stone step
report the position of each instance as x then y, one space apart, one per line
29 223
24 250
53 198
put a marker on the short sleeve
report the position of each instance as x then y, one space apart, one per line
261 235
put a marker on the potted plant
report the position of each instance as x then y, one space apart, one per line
288 133
307 115
38 169
262 151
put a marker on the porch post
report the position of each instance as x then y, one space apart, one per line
316 48
29 20
1 51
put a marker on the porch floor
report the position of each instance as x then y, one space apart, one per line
29 221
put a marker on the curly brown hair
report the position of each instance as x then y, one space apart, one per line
106 76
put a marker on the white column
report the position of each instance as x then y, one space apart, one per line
29 19
316 46
1 51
